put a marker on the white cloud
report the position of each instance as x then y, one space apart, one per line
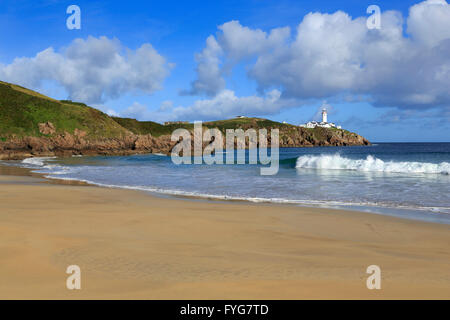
236 42
142 112
210 80
136 111
330 56
429 22
224 105
166 106
112 113
240 42
227 104
321 61
333 55
92 70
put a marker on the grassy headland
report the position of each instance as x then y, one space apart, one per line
34 124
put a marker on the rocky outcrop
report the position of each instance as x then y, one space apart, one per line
67 144
47 128
64 128
302 137
79 143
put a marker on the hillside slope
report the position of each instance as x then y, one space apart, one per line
290 135
149 127
32 124
294 136
21 111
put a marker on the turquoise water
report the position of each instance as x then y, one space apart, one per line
410 180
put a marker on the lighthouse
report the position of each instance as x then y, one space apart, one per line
324 115
323 124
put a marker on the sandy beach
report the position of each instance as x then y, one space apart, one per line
131 245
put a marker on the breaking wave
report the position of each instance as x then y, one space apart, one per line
370 164
37 161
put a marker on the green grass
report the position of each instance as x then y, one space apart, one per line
150 127
157 129
73 103
245 123
21 111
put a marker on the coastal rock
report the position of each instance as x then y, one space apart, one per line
47 128
74 128
144 142
79 133
79 143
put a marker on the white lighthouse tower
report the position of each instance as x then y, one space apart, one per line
323 124
324 115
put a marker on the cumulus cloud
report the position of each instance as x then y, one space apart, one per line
332 55
437 118
226 104
223 105
235 42
111 112
210 80
166 106
429 22
240 42
92 70
321 61
141 112
136 111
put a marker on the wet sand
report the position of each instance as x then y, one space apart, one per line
131 245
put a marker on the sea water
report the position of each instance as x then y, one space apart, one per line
409 180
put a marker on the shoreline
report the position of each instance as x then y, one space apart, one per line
408 213
132 245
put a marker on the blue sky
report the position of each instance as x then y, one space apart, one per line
256 75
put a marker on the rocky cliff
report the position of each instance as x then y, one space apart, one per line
32 124
67 144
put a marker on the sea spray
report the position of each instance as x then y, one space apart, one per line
370 164
338 177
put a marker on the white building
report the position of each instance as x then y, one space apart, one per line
324 115
323 124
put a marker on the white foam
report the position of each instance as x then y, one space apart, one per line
37 161
41 165
335 162
370 164
311 203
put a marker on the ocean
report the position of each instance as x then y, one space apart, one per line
408 180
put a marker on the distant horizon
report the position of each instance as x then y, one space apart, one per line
409 142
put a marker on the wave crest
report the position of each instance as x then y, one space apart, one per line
37 161
370 164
